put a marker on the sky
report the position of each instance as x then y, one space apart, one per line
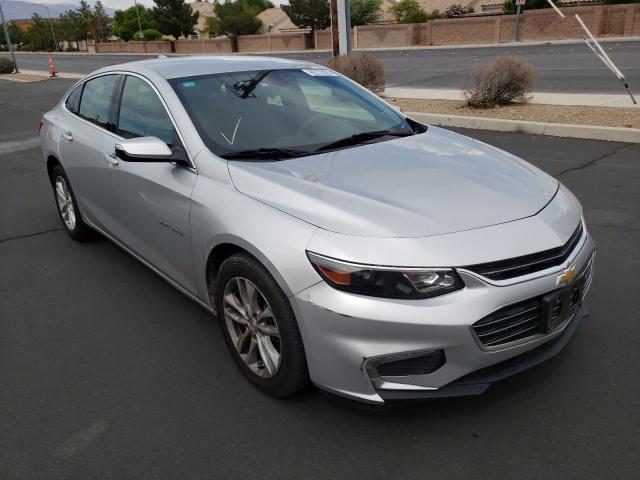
119 4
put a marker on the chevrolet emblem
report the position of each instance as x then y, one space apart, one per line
567 276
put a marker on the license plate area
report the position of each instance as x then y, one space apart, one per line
559 305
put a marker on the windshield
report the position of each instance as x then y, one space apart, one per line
284 113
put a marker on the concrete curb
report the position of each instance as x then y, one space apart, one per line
611 134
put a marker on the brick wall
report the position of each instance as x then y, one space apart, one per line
535 25
158 46
204 47
271 43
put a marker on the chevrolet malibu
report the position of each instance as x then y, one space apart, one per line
337 241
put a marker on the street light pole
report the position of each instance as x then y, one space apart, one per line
53 34
519 4
6 35
144 46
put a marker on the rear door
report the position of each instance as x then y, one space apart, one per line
150 202
88 123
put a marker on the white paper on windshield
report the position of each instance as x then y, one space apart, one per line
319 72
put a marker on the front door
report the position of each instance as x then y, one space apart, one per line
150 201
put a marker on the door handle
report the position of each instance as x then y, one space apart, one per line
67 136
111 159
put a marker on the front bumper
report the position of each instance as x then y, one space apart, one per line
344 333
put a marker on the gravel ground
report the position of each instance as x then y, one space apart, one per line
601 116
22 77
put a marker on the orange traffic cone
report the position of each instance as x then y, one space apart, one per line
52 68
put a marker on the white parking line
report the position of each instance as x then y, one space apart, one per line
17 145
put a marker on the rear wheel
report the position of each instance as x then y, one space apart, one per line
260 327
68 207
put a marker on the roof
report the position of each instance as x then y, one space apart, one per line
176 67
276 18
204 8
442 5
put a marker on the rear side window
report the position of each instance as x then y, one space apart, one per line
142 114
97 99
73 100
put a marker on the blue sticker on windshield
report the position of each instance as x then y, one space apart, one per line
188 84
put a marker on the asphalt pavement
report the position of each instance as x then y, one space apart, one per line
567 67
108 372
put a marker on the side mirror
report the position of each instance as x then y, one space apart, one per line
143 149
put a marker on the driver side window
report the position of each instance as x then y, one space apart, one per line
142 114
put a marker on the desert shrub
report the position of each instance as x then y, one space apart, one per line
507 79
149 35
6 65
456 10
362 68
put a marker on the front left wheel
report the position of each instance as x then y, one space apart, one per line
260 327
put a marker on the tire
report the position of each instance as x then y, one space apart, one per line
255 356
67 207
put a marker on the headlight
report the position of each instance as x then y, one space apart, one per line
386 282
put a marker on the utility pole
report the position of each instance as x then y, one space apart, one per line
344 26
144 45
519 4
6 35
340 27
55 43
335 42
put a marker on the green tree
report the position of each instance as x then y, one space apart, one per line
150 34
313 14
509 7
364 12
71 26
15 33
409 11
102 22
39 37
234 18
125 22
174 17
86 19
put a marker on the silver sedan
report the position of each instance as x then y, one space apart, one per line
338 241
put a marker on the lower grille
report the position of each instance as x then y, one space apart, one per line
535 316
422 365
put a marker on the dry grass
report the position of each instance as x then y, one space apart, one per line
363 68
507 79
582 115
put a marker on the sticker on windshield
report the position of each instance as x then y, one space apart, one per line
319 72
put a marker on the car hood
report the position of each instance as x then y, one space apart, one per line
429 184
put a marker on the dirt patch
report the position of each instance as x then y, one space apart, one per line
22 77
570 114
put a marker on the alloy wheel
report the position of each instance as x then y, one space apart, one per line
65 203
252 327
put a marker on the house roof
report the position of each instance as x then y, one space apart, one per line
277 19
204 8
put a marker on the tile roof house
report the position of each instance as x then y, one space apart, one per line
206 10
275 20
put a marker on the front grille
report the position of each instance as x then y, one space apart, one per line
421 365
518 266
535 316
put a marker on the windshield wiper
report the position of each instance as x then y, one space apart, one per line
359 138
265 154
